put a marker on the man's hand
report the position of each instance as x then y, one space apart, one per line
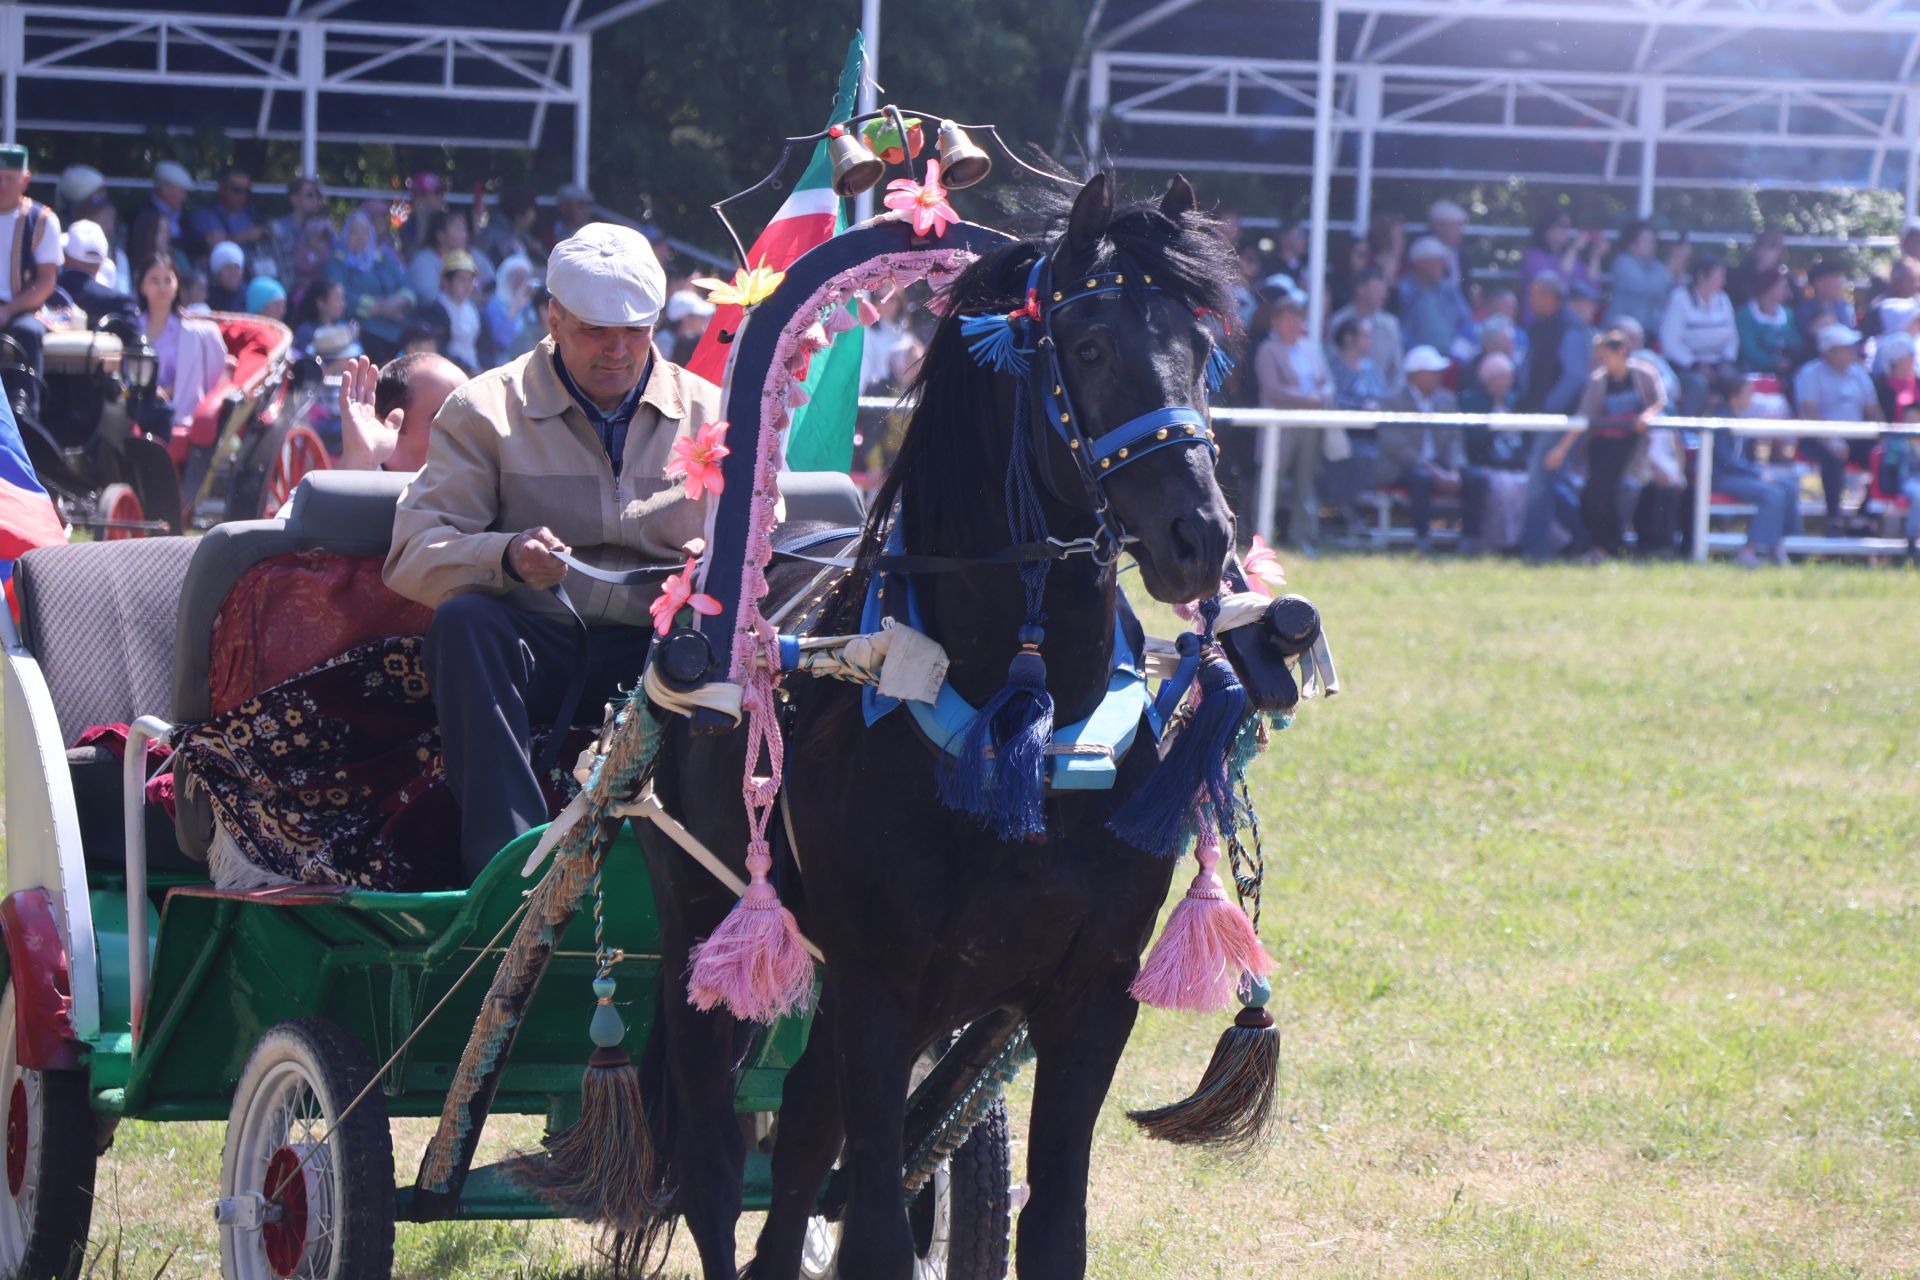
531 558
365 441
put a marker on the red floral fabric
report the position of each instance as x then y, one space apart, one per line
290 613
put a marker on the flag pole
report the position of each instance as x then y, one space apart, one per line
870 31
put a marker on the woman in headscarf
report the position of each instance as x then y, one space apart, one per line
513 326
375 284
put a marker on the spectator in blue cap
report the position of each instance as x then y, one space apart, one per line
267 297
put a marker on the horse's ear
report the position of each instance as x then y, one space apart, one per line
1179 198
1092 211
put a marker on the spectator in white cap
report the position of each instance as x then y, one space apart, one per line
86 252
560 452
1425 461
78 183
1836 388
1447 223
227 277
1433 310
171 183
687 316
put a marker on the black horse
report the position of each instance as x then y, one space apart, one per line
927 921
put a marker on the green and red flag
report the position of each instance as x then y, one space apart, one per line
820 437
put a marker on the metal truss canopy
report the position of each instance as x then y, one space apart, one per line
1805 94
308 70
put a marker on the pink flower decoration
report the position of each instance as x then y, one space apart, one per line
1263 567
697 458
923 204
677 593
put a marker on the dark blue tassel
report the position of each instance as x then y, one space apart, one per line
1219 367
1157 818
993 342
999 774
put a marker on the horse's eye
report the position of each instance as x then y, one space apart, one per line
1089 352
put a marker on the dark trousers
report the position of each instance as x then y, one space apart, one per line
1418 482
499 673
1656 517
1607 458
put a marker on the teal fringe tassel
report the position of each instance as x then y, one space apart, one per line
992 342
1219 369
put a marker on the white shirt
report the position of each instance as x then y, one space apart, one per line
45 252
463 332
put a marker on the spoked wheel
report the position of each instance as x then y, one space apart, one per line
962 1221
50 1160
300 451
120 506
304 1192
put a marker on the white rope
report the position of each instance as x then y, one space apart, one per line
716 695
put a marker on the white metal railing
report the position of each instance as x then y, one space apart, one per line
1268 420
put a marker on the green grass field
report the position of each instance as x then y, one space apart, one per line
1595 898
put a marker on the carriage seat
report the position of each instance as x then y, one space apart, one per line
255 345
266 600
99 617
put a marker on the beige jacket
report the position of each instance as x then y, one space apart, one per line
511 451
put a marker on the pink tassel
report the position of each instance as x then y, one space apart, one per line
797 393
1208 943
839 320
866 311
814 337
754 963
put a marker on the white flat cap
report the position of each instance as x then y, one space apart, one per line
226 254
78 181
607 275
172 173
1445 211
86 242
1424 359
1426 248
1838 335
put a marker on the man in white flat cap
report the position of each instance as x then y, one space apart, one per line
1447 223
559 452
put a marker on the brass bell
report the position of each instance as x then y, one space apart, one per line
855 168
961 162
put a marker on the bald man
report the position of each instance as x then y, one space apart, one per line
386 414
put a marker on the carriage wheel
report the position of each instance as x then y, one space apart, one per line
962 1221
49 1202
120 504
300 451
303 1192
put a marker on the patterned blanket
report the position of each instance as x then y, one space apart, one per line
334 777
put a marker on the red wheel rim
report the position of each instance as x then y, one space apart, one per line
123 505
17 1138
286 1238
301 451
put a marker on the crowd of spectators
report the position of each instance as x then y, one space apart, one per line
351 278
1620 330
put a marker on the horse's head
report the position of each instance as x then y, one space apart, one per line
1125 354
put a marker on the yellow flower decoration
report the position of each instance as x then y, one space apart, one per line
750 285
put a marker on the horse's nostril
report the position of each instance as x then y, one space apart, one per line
1185 546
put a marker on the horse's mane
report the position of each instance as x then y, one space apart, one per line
947 463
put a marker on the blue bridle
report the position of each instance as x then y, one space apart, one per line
1010 342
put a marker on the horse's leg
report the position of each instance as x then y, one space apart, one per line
709 1150
804 1147
1079 1043
874 1062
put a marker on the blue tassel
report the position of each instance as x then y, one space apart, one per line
1157 818
993 343
999 774
1219 366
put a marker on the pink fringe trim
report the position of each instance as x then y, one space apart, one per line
1196 965
754 963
